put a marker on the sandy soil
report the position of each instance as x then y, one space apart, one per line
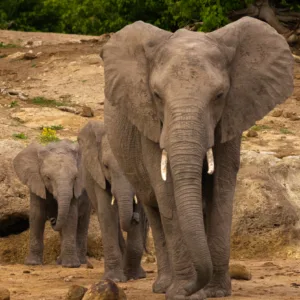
276 280
71 71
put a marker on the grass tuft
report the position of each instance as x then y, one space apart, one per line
21 136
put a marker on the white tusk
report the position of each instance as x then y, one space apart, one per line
135 199
113 200
163 165
210 161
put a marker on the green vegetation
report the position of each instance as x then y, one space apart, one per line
42 101
260 127
2 45
100 16
286 131
13 104
53 127
21 136
48 135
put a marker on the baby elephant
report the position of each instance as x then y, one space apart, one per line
117 207
52 174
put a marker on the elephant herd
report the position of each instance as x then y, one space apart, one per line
168 153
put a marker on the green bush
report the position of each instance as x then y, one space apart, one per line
100 16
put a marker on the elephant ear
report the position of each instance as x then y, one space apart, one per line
127 56
261 73
89 139
26 165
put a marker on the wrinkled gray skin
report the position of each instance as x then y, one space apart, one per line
52 174
186 92
102 179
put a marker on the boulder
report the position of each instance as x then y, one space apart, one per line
105 290
267 206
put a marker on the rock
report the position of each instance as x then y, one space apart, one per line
266 184
17 55
92 59
76 292
68 278
69 109
252 133
13 93
4 294
287 114
276 113
30 56
89 265
105 290
87 112
26 272
295 118
239 272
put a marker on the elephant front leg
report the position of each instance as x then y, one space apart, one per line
109 223
68 255
37 219
136 237
82 234
219 215
164 278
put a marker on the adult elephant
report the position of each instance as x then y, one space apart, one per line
178 98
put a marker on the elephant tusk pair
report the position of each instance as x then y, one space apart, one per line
113 199
164 162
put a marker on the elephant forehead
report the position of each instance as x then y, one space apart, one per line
59 162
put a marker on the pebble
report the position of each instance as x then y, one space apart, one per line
87 112
239 272
276 113
252 133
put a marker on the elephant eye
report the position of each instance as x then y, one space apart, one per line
219 96
157 96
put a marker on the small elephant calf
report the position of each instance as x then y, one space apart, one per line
52 174
117 208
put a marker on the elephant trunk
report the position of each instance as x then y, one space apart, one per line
63 202
125 207
186 148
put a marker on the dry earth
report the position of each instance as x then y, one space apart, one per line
68 69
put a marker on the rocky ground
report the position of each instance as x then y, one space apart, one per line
56 80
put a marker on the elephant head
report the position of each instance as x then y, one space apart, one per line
53 169
188 91
100 162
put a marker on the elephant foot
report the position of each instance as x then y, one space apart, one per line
70 262
162 283
116 276
220 286
34 260
135 273
177 292
83 260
